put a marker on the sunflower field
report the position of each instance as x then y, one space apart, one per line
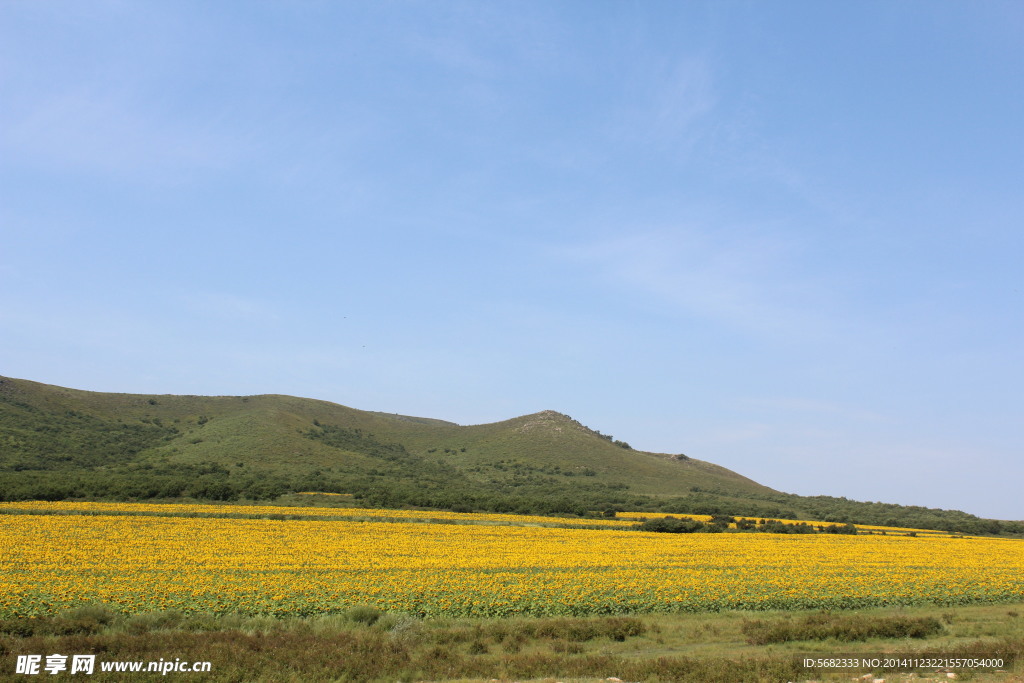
56 556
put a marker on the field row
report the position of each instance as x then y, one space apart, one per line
623 520
277 511
283 567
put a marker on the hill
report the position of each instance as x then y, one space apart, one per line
58 443
307 444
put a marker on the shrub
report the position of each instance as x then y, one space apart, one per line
364 614
825 626
672 525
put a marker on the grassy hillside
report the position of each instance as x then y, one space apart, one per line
58 443
258 445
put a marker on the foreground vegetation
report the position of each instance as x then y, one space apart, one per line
364 644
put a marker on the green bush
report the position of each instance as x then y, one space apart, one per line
364 614
826 626
672 525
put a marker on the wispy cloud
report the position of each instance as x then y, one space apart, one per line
231 307
747 281
813 408
683 97
107 132
668 107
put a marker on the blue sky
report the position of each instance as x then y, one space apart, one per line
782 237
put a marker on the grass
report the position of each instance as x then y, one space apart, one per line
365 644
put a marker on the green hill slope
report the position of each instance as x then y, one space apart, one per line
283 443
60 443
